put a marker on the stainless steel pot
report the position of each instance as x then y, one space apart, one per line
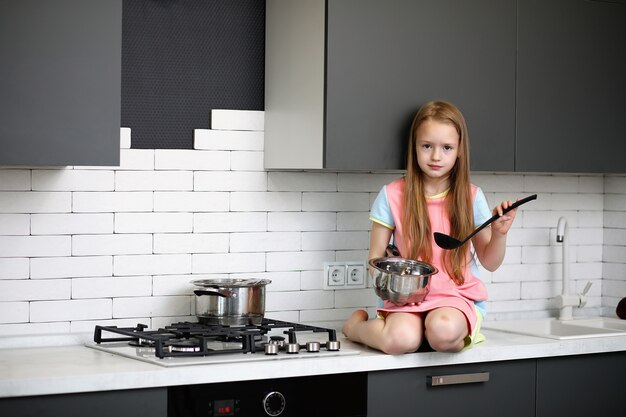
401 281
230 301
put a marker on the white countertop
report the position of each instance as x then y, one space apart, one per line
76 368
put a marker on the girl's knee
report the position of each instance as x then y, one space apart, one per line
445 334
400 339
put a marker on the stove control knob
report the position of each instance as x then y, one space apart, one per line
271 349
333 345
292 348
274 403
312 346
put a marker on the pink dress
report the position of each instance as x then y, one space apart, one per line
443 291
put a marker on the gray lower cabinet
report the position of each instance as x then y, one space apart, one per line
571 86
510 390
60 82
126 403
582 386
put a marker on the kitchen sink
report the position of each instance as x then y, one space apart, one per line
562 329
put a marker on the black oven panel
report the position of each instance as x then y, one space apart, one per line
342 395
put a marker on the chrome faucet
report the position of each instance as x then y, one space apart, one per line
566 301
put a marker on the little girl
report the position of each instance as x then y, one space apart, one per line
435 196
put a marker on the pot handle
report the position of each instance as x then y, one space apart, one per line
215 291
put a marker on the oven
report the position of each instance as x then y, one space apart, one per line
342 395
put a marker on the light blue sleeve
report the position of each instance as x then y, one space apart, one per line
481 215
481 208
381 212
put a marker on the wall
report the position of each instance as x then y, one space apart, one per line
119 245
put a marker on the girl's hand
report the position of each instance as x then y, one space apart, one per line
503 224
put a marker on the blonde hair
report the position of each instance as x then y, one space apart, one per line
458 200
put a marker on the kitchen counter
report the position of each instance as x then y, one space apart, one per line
76 368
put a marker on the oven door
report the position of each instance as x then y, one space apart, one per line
342 395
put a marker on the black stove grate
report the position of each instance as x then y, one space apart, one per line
163 338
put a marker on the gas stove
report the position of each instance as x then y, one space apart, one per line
187 343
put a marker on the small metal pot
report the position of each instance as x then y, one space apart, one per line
401 281
230 301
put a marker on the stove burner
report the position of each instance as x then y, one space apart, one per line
199 339
182 345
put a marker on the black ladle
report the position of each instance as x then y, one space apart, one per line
448 242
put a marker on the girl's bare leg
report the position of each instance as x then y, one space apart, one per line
398 333
446 329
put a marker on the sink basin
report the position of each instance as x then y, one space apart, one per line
562 329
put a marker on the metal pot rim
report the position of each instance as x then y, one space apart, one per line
230 282
432 270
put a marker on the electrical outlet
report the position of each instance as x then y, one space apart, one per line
343 275
334 275
355 274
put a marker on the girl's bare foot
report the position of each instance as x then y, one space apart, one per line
357 317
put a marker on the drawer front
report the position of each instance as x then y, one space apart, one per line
488 389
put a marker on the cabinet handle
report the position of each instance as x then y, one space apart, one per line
435 381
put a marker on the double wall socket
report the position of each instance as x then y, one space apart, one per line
344 275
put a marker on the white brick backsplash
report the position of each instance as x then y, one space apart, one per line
191 201
112 202
265 242
191 243
301 221
70 224
355 298
72 180
22 246
614 184
15 180
71 266
237 119
272 201
190 160
298 261
14 268
228 262
229 222
118 244
151 306
30 290
73 256
372 183
107 287
302 181
48 311
14 312
153 180
87 326
354 221
246 161
125 138
151 264
153 222
229 140
178 284
14 224
136 159
35 202
550 183
335 240
22 329
335 202
491 183
230 181
298 300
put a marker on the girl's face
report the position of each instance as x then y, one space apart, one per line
437 148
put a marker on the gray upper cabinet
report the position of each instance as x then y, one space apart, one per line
60 79
571 85
345 77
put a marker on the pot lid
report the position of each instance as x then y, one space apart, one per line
231 282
